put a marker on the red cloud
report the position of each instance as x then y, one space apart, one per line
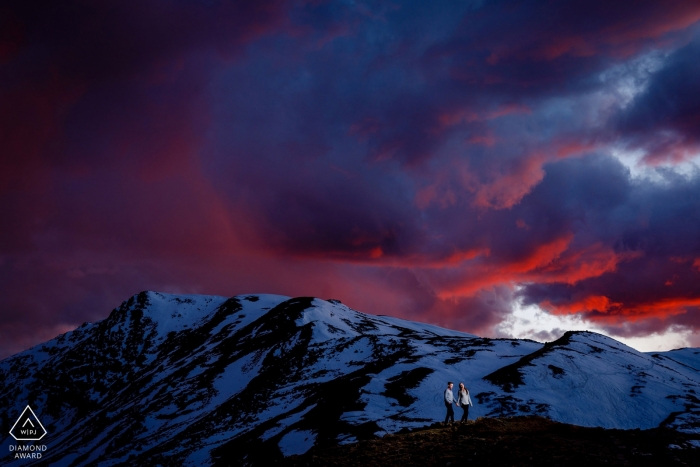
451 118
601 309
511 186
574 266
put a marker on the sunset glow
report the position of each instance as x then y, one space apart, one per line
448 162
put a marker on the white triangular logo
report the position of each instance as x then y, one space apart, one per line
28 427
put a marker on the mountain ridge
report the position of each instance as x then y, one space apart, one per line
522 440
201 380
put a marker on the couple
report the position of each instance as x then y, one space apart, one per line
463 400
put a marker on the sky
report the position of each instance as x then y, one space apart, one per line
504 168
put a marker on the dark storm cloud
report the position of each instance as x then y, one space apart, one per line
530 47
418 159
665 119
81 71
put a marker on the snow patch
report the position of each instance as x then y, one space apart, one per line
297 442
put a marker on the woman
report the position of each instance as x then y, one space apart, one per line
464 401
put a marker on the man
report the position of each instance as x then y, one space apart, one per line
449 400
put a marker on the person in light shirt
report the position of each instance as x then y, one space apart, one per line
449 400
464 401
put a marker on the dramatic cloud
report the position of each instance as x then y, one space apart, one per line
665 120
446 162
652 228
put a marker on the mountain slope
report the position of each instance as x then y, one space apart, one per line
530 441
200 380
593 380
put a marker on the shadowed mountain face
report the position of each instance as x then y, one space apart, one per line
201 380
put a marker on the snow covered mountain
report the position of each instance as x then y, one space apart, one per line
204 380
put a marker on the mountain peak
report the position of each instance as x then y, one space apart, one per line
201 380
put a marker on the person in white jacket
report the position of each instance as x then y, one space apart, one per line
464 401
